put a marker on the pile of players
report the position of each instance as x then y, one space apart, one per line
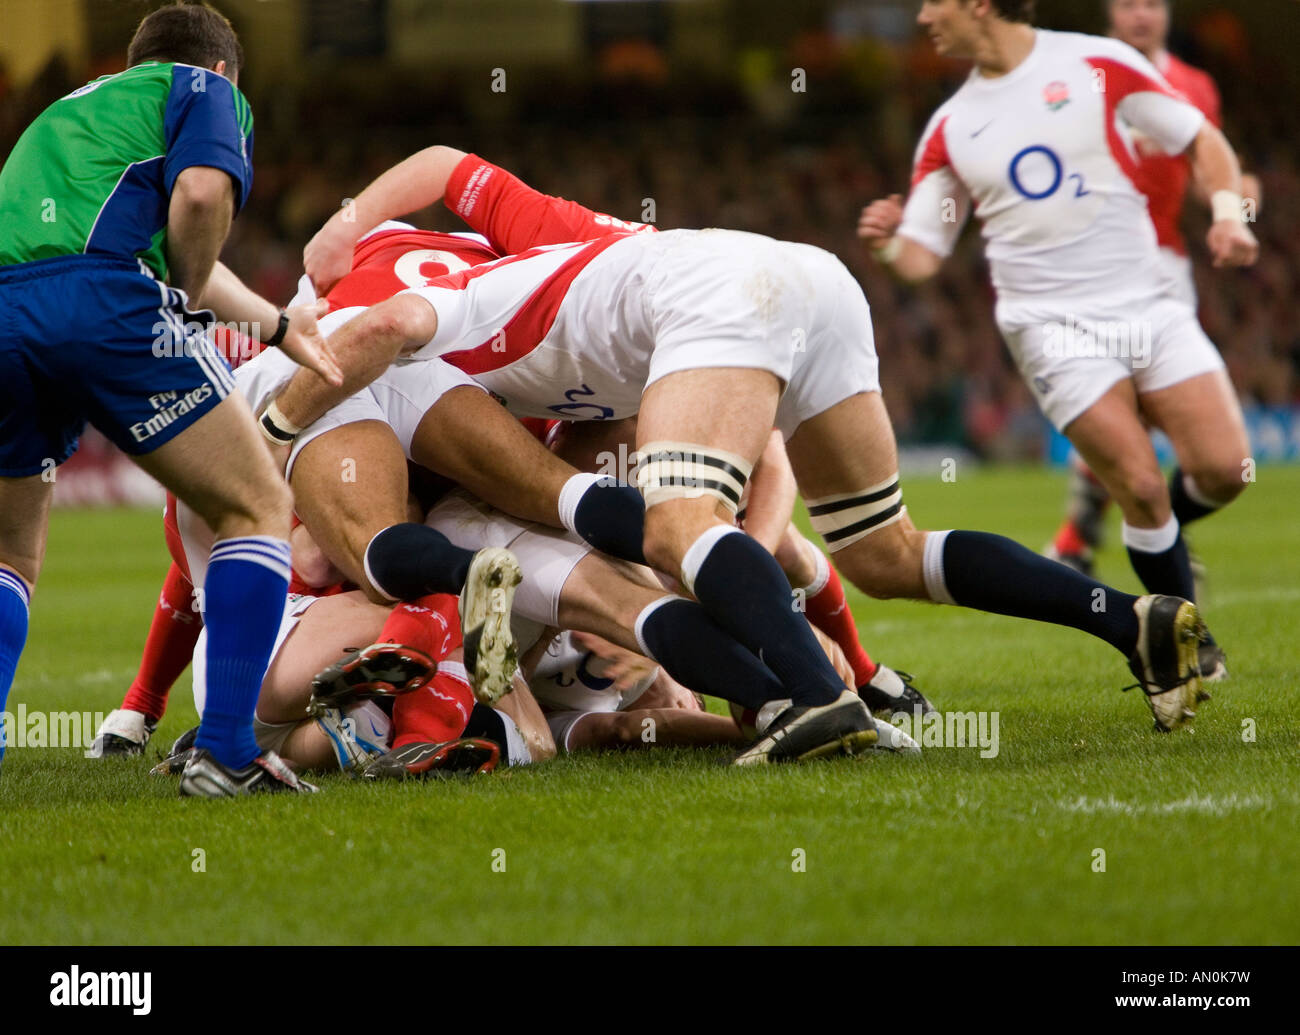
491 562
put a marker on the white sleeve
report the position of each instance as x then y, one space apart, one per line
1143 97
1171 123
939 204
452 309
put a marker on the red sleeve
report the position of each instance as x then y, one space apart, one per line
514 217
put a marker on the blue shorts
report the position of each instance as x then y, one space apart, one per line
98 340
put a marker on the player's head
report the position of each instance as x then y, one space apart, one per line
191 34
1142 24
955 27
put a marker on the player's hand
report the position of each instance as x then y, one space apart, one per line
836 656
625 667
1232 243
880 220
305 345
328 256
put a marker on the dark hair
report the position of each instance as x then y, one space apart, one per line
191 34
1015 10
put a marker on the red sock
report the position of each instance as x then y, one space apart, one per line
168 648
430 624
438 712
1068 540
828 609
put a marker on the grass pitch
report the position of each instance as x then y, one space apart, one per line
1200 831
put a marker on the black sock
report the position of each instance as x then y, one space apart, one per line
993 573
607 514
408 561
1168 571
745 591
1186 509
694 650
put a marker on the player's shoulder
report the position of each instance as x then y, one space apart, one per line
1085 46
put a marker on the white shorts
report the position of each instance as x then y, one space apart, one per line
1177 270
547 556
269 736
562 725
1070 359
750 301
400 397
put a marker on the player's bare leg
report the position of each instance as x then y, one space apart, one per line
352 489
468 437
1111 436
24 526
845 461
349 485
221 469
719 420
1203 420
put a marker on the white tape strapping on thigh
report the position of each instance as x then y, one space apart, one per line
844 519
683 470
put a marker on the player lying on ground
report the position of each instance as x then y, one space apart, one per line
713 338
115 203
596 695
1163 179
1039 138
409 712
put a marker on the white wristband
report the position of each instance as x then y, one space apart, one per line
889 252
277 428
1226 204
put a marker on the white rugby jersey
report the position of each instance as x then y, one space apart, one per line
1045 157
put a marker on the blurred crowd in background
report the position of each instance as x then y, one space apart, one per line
627 135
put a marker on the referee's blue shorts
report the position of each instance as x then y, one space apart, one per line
98 339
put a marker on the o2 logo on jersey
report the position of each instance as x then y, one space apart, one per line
582 410
1041 186
407 269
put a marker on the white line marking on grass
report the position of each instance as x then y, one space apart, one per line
1215 806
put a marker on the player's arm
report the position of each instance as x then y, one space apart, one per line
772 492
412 184
1217 173
878 227
364 348
233 301
914 238
199 215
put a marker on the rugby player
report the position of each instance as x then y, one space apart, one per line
115 203
1037 141
713 338
1164 179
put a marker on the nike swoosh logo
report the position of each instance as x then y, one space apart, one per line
982 128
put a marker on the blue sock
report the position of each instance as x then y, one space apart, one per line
409 561
14 603
692 648
244 595
993 573
745 591
606 513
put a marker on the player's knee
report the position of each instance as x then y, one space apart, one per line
886 567
1148 495
1222 482
626 730
793 556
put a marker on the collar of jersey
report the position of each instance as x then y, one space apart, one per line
982 82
